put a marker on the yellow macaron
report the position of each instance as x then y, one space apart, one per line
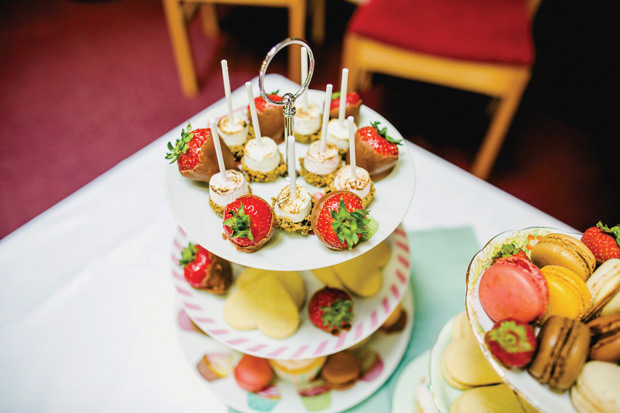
568 293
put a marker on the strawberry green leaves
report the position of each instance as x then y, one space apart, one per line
181 145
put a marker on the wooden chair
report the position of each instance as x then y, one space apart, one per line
395 37
179 13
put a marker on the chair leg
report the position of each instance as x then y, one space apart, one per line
210 24
496 133
184 58
296 28
318 21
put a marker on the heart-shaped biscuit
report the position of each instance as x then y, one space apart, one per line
363 275
291 280
263 303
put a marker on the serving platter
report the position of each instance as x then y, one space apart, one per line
189 203
537 394
404 397
443 393
206 309
284 396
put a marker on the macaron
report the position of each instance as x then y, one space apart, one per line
565 251
605 343
604 286
563 347
253 373
515 288
341 370
597 388
498 398
568 294
463 365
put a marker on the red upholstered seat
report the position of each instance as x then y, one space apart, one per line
480 30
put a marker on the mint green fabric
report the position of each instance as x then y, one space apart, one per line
439 260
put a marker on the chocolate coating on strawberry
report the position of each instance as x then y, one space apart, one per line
195 155
270 117
512 342
375 151
331 310
249 222
205 270
352 107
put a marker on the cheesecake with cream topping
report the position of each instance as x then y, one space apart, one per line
235 134
307 123
223 191
319 168
360 184
293 215
262 161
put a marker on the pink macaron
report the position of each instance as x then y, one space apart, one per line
253 373
513 288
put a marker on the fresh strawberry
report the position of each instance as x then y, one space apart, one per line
202 269
512 342
262 104
195 154
249 222
352 99
340 221
378 139
604 242
508 250
331 310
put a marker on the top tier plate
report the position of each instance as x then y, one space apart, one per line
189 202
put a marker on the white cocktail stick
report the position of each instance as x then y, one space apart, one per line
231 115
218 149
326 107
292 173
304 75
253 114
352 147
343 96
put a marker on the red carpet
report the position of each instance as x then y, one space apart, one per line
84 85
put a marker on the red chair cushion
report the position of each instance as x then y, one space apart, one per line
480 30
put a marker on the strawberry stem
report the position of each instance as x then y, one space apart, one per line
181 146
614 232
188 254
383 133
239 223
337 314
349 226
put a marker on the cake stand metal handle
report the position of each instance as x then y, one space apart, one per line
288 99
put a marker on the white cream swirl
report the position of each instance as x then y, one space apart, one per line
307 121
360 184
233 133
262 156
223 191
338 134
321 163
294 209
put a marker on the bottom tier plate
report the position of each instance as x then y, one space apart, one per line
284 396
443 393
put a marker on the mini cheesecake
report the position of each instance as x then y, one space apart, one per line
234 134
338 135
293 215
362 184
319 168
224 191
308 123
262 161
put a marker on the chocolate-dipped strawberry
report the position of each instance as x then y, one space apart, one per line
203 269
353 102
270 117
340 221
376 151
331 310
512 342
195 155
249 222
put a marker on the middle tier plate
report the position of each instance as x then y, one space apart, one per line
206 309
189 203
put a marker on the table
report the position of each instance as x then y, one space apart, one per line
86 304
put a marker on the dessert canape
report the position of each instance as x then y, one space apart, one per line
205 270
293 204
322 160
233 129
307 114
195 154
249 222
261 161
226 186
337 129
331 310
270 117
376 151
340 221
352 177
352 100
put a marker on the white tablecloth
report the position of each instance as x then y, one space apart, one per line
86 305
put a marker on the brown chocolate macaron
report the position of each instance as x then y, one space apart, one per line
605 345
563 346
341 370
565 251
